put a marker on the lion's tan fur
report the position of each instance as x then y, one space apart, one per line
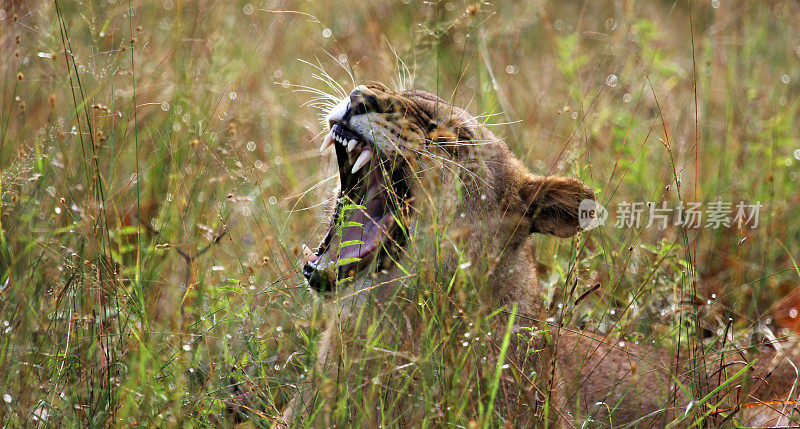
587 373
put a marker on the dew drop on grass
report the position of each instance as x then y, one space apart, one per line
326 33
611 80
186 118
57 210
232 95
788 162
511 69
465 343
626 98
2 14
251 146
217 268
785 79
342 58
796 154
164 106
273 200
248 9
715 4
187 347
51 190
7 398
611 24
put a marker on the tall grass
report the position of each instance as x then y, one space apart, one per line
160 173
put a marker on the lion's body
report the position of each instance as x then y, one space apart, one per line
469 187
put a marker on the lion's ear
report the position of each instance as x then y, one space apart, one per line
553 204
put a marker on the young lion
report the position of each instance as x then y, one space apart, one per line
400 154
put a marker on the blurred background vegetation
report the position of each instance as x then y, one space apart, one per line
104 319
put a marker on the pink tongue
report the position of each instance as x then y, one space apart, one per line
370 233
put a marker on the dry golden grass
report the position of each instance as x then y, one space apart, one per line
107 320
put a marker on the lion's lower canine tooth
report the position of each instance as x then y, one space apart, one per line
364 158
350 145
307 253
326 142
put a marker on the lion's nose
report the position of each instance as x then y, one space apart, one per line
362 100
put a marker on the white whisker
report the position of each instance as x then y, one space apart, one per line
303 194
426 152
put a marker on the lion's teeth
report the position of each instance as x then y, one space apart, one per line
350 145
307 253
364 158
326 142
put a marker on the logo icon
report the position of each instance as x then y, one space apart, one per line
591 214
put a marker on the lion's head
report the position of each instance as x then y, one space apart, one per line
408 160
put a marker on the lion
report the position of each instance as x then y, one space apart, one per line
412 166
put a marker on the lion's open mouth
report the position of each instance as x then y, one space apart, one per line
358 238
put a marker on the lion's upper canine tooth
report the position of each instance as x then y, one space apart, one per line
364 158
326 142
351 144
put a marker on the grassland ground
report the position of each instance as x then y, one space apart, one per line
159 174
